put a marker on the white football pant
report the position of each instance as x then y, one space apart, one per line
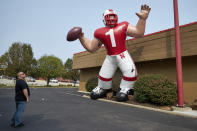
109 67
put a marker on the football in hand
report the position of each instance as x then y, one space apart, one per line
74 33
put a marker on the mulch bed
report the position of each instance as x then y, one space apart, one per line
133 101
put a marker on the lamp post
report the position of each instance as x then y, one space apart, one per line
178 57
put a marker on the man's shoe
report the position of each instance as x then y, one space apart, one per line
99 93
12 125
19 125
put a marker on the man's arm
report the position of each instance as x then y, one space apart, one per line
90 45
139 29
25 92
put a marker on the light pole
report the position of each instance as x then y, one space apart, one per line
178 57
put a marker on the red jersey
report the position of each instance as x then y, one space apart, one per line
113 38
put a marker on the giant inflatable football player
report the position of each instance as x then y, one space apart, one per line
113 36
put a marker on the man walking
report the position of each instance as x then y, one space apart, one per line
22 94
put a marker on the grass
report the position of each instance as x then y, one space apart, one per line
2 85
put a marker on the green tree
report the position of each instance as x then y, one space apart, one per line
68 64
3 63
34 70
4 59
19 57
70 73
50 67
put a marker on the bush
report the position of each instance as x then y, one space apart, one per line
91 84
155 89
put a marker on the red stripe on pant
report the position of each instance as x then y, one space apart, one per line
129 78
105 79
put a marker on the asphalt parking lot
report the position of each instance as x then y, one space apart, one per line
64 109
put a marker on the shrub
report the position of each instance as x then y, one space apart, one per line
91 84
155 89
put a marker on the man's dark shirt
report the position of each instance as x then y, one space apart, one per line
20 85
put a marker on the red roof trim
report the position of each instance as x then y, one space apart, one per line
80 52
192 23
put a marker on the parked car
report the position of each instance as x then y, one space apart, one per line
30 79
11 78
53 80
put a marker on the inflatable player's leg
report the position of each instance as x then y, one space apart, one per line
105 78
129 75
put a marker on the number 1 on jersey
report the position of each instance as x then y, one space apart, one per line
112 38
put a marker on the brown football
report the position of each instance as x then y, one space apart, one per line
74 33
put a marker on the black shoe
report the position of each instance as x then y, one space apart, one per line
121 97
19 125
131 92
12 125
99 93
123 93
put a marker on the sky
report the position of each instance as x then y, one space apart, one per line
45 23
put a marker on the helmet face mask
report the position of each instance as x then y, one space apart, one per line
110 18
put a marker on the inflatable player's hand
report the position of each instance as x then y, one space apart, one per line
143 14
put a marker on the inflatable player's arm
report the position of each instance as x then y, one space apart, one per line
139 29
90 45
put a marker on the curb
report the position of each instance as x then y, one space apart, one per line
84 92
145 107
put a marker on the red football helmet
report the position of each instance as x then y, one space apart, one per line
106 18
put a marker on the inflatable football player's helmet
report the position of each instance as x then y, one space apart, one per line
106 18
